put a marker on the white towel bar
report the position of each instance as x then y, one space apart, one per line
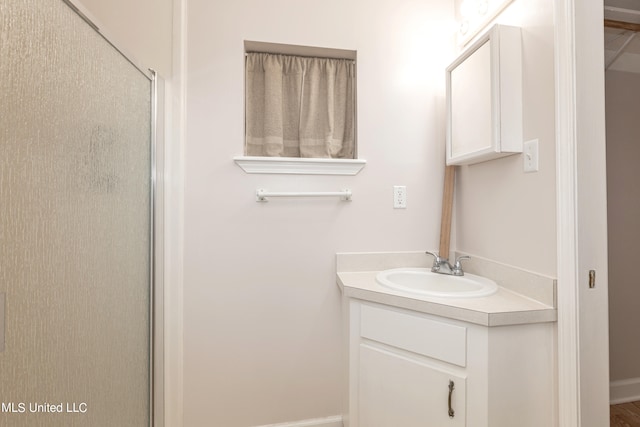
261 194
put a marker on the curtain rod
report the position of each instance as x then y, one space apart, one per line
353 61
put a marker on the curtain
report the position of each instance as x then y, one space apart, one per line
299 106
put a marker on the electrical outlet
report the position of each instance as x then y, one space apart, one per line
530 155
399 197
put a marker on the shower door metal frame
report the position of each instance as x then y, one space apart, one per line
156 288
156 228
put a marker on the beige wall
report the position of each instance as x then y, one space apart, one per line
502 213
623 176
262 323
141 28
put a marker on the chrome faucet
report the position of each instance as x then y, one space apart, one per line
442 265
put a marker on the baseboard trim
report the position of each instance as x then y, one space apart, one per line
335 421
624 391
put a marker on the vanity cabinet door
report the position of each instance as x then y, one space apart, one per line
396 390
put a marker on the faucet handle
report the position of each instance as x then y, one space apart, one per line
436 260
462 258
435 256
457 267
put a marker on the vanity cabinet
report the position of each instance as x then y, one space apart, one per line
400 390
413 369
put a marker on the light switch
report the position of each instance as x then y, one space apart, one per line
530 155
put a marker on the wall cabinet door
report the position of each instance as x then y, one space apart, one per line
484 99
400 390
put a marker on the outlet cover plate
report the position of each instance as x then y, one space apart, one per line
399 197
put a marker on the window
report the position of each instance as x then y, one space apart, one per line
300 109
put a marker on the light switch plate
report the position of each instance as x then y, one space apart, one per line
530 156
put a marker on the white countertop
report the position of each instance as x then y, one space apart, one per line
505 307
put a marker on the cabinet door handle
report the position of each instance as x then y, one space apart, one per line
452 386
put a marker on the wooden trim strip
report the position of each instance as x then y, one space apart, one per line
447 209
630 26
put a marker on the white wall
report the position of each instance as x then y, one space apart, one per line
262 311
502 213
623 175
262 324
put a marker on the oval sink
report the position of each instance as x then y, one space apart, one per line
423 281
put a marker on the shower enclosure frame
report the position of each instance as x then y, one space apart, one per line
156 228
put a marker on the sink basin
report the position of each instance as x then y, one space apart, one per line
423 281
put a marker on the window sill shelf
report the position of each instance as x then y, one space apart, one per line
302 166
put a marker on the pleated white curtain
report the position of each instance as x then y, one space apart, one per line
299 106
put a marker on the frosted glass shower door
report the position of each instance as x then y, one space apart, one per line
75 196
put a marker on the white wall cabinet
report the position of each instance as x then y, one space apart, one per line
402 362
484 99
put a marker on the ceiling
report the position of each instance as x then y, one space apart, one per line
614 39
628 10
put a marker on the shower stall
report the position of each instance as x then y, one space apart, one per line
80 289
